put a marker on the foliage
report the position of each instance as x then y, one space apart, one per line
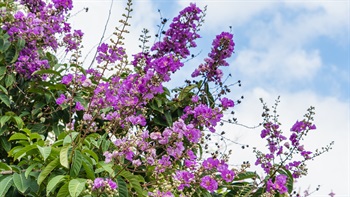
116 130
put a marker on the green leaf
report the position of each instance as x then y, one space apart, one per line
245 175
88 170
18 155
20 44
18 136
3 89
4 45
35 136
53 183
184 93
70 137
168 118
122 189
9 80
5 183
64 155
5 143
5 99
4 166
3 70
45 151
76 186
106 167
21 182
18 121
29 169
4 119
134 181
77 163
91 153
63 192
47 170
47 71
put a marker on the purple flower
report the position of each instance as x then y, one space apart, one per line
228 175
209 183
79 106
226 103
98 183
67 79
279 184
112 184
210 163
61 99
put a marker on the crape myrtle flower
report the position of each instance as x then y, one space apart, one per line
279 184
222 48
209 183
101 183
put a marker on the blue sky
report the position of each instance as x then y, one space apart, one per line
296 49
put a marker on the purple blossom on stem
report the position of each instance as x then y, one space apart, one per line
279 184
209 183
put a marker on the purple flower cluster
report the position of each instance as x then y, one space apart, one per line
279 185
279 147
39 28
101 183
208 183
181 35
223 47
204 116
109 53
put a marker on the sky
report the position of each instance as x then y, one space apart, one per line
298 50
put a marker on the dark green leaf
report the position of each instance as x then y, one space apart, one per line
5 99
5 143
5 183
9 80
122 189
76 164
63 192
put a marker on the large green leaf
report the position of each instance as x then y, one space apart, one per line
88 169
63 192
18 155
122 189
64 155
76 186
5 99
53 183
47 170
9 80
21 182
18 136
77 163
5 183
134 181
4 119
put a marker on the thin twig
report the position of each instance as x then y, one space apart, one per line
104 31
